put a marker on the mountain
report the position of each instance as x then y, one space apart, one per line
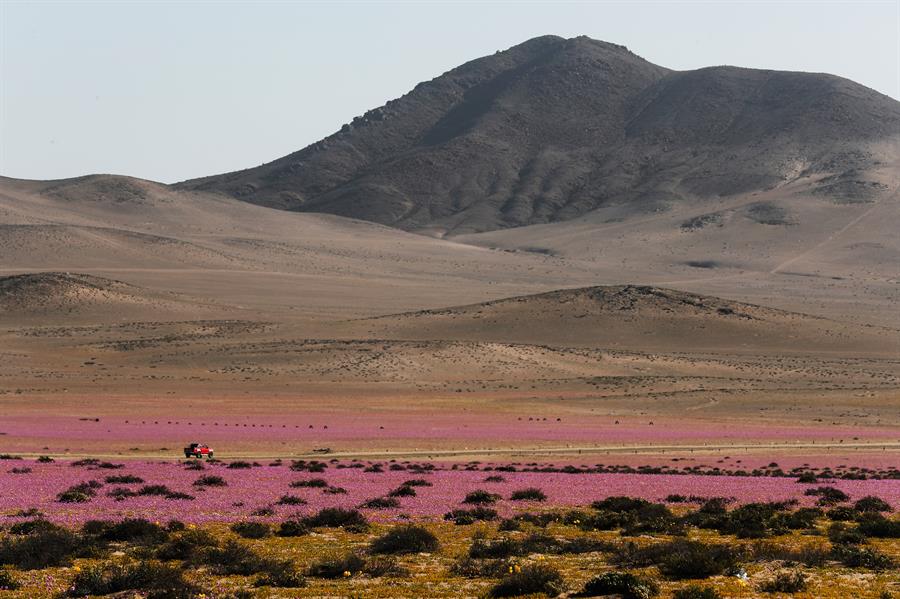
555 128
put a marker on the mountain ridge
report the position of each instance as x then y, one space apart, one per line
554 128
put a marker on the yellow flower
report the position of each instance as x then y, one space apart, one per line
510 569
346 573
76 568
518 568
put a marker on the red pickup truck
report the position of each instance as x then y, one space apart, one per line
198 450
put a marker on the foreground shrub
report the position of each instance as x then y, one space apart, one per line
251 530
624 584
7 582
862 557
292 528
405 539
186 544
481 498
468 567
291 500
828 495
529 494
281 574
403 491
335 567
335 517
695 591
132 530
464 517
528 580
159 581
871 503
44 548
785 582
693 559
233 558
876 525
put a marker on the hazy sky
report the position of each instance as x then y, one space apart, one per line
174 90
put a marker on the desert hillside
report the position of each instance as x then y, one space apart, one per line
553 128
637 317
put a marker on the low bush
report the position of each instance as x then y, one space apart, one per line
827 495
528 580
30 526
159 581
313 483
468 567
841 513
381 503
335 517
862 557
133 530
529 494
239 465
876 525
494 478
291 500
43 548
154 490
335 567
281 574
292 528
695 591
470 516
871 503
403 491
7 582
481 497
186 544
121 493
694 559
623 584
251 530
841 534
785 582
405 539
210 480
416 482
232 558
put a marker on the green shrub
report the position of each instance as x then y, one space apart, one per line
291 500
624 584
862 557
44 548
529 494
124 479
292 528
405 539
210 480
335 567
7 582
696 591
335 517
313 483
528 580
876 525
185 544
158 580
481 497
381 503
477 514
785 582
871 503
281 574
251 530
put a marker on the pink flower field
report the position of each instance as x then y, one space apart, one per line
258 487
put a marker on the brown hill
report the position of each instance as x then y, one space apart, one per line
48 296
636 317
555 128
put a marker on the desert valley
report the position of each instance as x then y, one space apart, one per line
559 266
